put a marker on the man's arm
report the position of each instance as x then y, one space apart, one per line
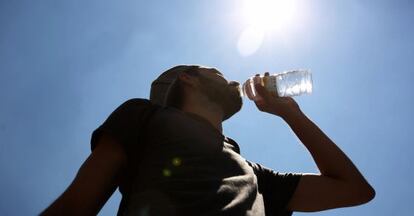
339 183
95 182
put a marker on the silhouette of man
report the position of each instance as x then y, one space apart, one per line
169 157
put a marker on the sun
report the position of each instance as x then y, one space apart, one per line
263 18
270 15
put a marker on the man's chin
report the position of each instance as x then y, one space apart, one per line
233 110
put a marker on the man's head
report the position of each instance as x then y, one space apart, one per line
171 87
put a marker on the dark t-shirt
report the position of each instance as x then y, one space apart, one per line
179 164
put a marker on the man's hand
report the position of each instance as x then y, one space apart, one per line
273 104
339 183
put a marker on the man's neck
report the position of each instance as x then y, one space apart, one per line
211 113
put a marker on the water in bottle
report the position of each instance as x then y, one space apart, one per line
285 84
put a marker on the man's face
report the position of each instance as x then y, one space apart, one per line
220 91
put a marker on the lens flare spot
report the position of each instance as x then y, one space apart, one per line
176 161
166 172
250 40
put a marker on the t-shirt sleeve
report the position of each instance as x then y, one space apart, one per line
125 124
277 189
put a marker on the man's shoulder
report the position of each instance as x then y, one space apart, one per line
134 108
137 101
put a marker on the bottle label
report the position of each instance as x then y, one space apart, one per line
269 82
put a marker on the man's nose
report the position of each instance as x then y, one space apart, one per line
234 83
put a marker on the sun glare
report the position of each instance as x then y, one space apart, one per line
269 14
266 17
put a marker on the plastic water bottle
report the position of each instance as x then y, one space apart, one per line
285 84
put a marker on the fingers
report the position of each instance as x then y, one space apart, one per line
262 91
265 84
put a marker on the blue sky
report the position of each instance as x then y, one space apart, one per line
65 65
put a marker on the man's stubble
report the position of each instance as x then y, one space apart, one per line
225 95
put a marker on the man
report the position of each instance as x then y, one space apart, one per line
172 158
